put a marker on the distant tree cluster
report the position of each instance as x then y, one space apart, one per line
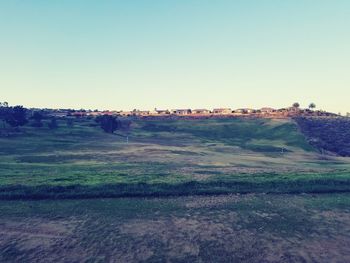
311 105
17 116
296 105
4 104
14 116
108 123
37 119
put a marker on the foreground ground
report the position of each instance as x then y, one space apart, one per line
226 228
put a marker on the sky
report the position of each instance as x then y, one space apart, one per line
145 54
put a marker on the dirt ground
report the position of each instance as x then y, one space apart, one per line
228 228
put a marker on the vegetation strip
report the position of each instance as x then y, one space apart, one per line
320 185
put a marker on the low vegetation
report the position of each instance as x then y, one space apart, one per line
330 134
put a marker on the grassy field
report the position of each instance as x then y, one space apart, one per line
225 228
166 157
214 190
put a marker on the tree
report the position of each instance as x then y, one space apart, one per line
4 104
16 116
108 123
53 124
37 117
3 113
296 105
312 106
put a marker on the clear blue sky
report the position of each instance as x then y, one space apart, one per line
174 54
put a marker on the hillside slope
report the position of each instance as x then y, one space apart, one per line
330 134
166 157
258 135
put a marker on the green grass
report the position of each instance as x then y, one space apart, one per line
236 132
166 157
264 183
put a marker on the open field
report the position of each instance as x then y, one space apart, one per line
176 157
225 228
167 164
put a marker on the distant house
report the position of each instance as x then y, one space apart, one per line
222 111
144 112
239 111
159 112
79 113
245 111
109 113
201 111
126 113
140 112
267 110
181 111
95 113
58 114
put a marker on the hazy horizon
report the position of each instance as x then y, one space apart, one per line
175 54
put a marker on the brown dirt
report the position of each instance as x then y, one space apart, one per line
203 229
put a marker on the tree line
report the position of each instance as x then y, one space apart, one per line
16 116
13 116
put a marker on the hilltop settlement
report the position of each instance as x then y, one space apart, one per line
265 112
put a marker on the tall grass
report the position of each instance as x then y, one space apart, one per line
311 183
